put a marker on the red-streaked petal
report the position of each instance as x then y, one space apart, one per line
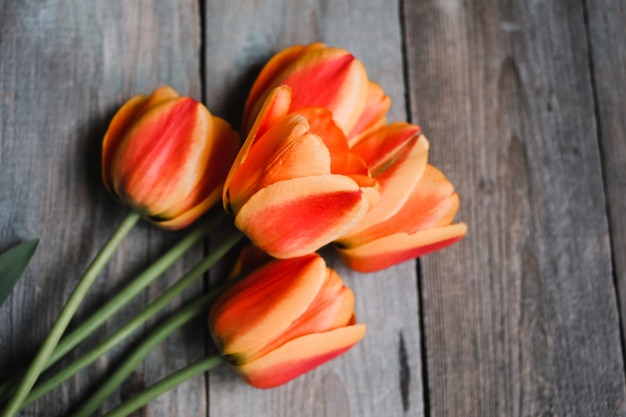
432 203
115 133
397 182
208 191
263 305
393 249
300 355
270 72
373 115
287 151
162 158
319 77
123 121
274 109
332 308
331 78
380 147
298 216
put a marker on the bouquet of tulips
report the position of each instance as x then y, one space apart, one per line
319 165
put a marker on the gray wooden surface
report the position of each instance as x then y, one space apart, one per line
524 106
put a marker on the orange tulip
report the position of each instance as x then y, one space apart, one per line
416 208
284 319
320 76
294 186
167 157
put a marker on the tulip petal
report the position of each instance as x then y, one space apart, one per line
262 306
270 72
286 151
115 133
123 120
332 308
296 217
274 108
396 179
390 250
373 115
432 203
300 355
319 77
158 161
381 147
208 191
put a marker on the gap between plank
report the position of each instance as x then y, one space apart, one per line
596 114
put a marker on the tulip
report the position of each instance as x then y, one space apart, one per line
416 208
294 186
167 157
320 76
284 319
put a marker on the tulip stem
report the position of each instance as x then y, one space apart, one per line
141 351
165 385
46 350
79 334
138 320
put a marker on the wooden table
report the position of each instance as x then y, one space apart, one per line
524 105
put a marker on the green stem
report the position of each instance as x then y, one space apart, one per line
137 321
165 385
155 337
134 288
45 351
79 334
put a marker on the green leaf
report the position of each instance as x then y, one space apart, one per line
12 265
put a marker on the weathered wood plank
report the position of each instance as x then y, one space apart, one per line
520 318
368 380
65 67
607 36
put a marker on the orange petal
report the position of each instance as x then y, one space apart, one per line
270 72
287 151
274 108
298 216
390 250
332 308
397 180
320 77
263 305
115 133
300 355
373 115
432 203
343 161
380 147
331 78
162 158
208 191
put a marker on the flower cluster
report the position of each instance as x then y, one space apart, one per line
319 165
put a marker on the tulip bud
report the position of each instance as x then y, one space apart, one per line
416 208
294 186
320 76
167 157
284 319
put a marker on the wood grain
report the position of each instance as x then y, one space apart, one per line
523 103
65 67
521 317
371 378
607 42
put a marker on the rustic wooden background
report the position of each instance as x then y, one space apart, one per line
524 103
